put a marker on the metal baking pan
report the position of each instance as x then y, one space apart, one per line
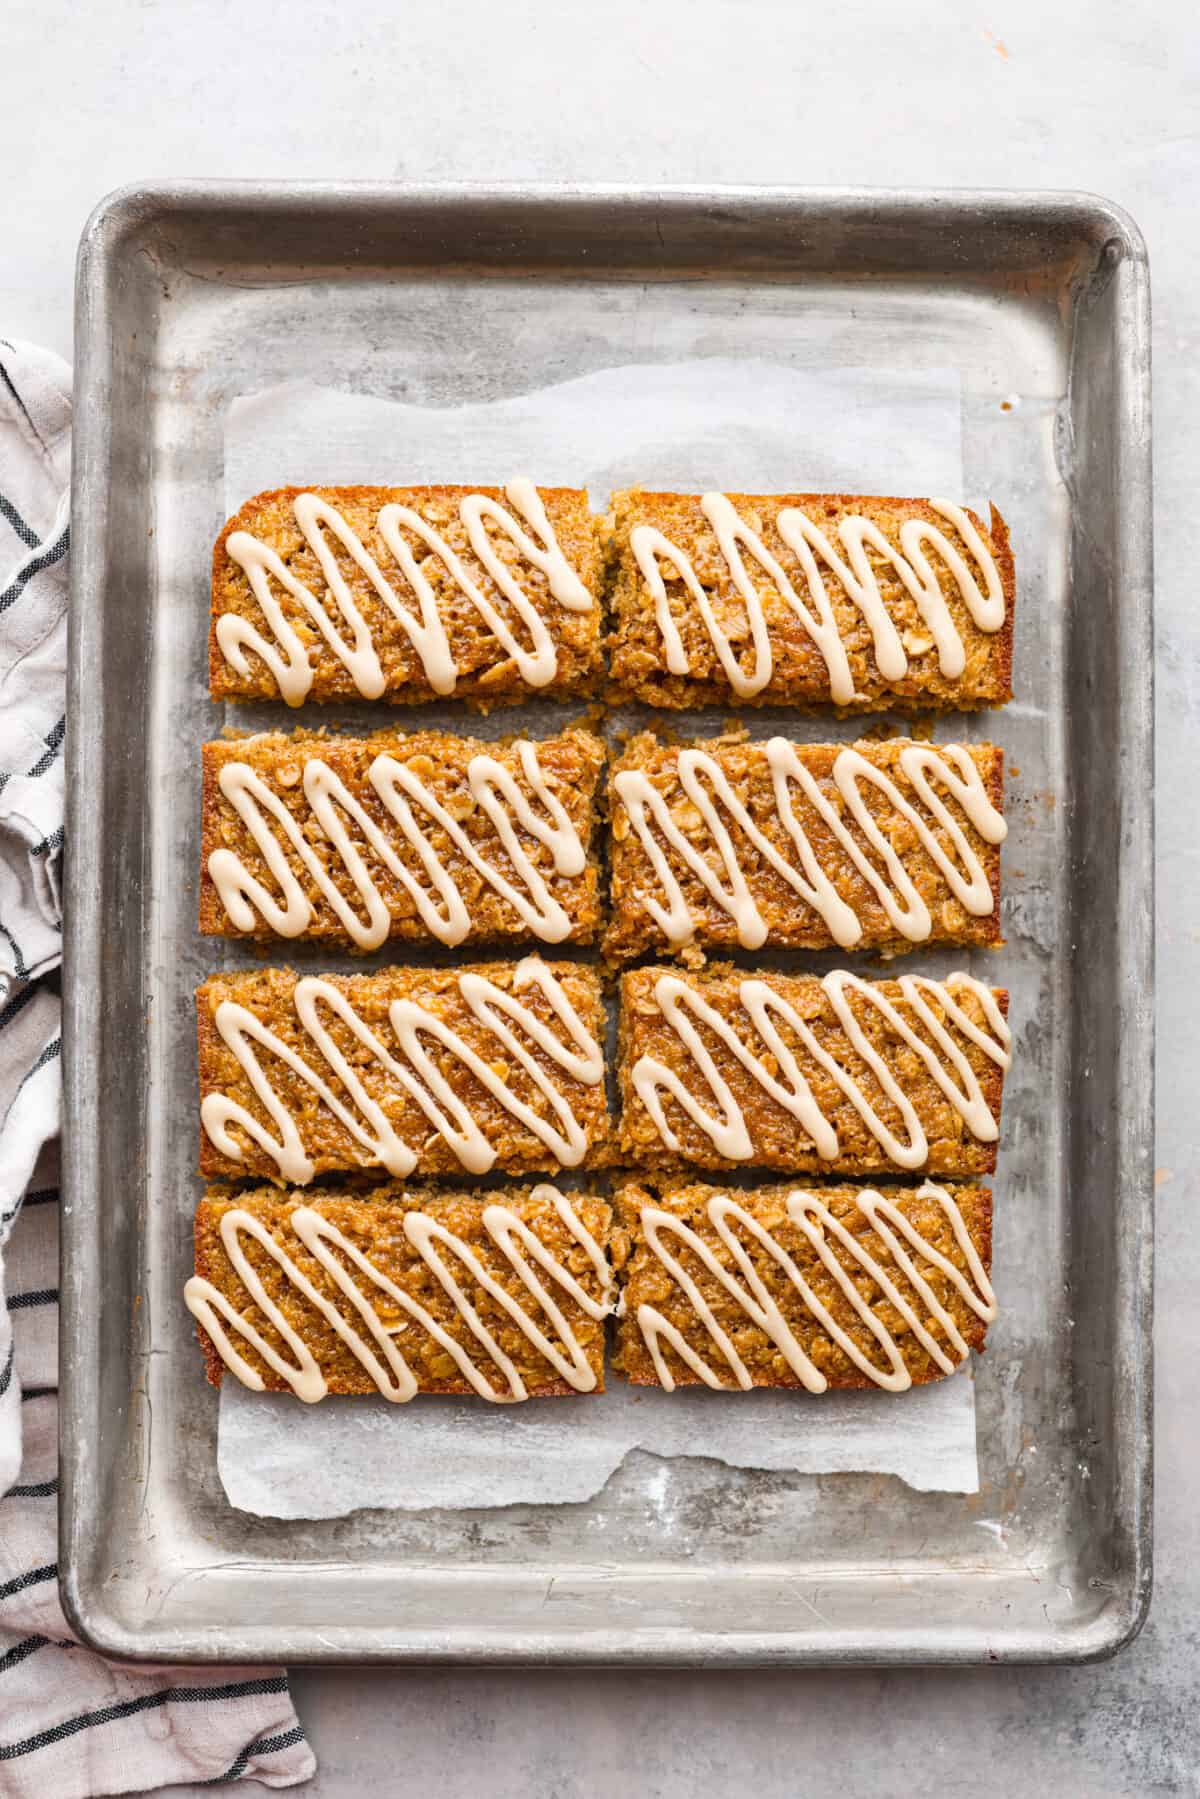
191 293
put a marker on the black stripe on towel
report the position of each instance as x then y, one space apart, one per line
53 553
53 842
21 1651
34 1578
37 1489
40 1296
48 1055
16 1006
284 1739
8 382
26 533
54 743
109 1714
20 966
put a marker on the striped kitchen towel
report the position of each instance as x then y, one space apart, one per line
72 1726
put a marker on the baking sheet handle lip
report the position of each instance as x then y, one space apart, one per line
82 937
133 204
1135 1176
1103 1637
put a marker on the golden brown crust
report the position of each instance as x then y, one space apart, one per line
777 1138
792 923
800 677
487 676
645 1281
328 1144
570 765
373 1221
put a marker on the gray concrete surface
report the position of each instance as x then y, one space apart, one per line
1034 93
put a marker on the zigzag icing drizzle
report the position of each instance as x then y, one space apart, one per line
580 1059
817 1223
444 912
359 1326
682 1005
336 614
706 785
807 542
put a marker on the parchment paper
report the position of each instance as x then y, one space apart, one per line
756 426
688 426
349 1454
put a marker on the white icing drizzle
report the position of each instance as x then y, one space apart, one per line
359 1326
705 784
811 1216
808 542
682 1005
444 912
564 1137
340 622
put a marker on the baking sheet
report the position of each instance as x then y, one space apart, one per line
193 295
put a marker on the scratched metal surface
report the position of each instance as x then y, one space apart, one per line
192 294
